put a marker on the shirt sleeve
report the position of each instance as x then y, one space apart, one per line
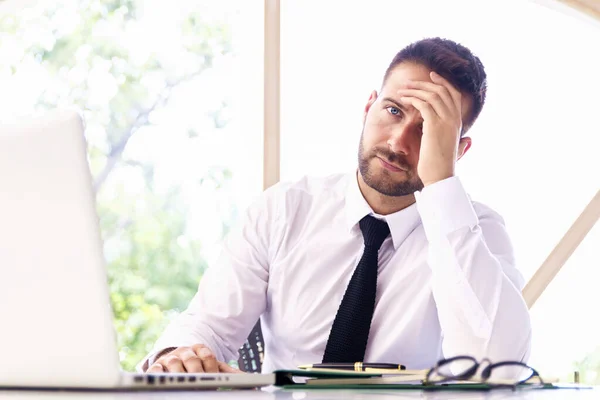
232 293
475 284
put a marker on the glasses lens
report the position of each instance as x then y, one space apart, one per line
457 368
513 373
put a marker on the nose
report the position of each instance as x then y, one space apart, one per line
401 138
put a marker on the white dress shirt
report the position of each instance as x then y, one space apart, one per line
447 282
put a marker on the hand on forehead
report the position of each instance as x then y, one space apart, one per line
404 73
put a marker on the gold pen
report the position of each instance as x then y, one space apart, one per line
357 366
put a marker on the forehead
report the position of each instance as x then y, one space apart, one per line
403 72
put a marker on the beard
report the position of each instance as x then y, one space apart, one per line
382 180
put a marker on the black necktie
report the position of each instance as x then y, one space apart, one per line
350 331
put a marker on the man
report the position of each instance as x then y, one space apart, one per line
391 263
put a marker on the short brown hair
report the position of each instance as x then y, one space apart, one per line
454 62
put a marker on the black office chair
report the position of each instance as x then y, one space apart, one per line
252 351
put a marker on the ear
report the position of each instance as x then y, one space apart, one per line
372 99
464 144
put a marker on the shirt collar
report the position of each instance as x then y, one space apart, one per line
401 223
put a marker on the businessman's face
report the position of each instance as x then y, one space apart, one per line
389 147
390 143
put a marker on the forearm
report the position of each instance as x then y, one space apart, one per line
475 285
481 311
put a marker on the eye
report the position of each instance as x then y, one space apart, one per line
393 110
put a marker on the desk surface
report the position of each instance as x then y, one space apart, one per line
307 395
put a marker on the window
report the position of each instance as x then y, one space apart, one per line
175 137
533 157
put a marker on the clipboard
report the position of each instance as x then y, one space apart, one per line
285 380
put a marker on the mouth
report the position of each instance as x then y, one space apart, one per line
390 167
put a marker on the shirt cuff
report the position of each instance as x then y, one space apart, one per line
445 207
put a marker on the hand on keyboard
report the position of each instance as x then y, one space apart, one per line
197 358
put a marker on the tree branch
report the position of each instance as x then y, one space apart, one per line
141 120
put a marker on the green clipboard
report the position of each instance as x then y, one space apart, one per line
285 380
285 377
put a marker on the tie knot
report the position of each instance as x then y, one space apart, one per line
374 231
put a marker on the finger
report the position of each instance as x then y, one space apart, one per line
454 93
440 108
155 368
424 108
197 347
171 363
191 361
440 90
224 367
209 361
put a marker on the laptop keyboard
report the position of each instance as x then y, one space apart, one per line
176 379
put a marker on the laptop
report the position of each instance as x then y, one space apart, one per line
56 328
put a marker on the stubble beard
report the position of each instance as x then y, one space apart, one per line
382 180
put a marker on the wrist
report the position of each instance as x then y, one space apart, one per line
158 355
431 180
431 173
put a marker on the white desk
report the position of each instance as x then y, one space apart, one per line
307 395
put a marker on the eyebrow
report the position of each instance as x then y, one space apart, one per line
389 99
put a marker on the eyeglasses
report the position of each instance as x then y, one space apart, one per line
505 374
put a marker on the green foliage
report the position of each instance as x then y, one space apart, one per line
153 268
154 263
589 368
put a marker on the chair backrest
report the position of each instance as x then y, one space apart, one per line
251 354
